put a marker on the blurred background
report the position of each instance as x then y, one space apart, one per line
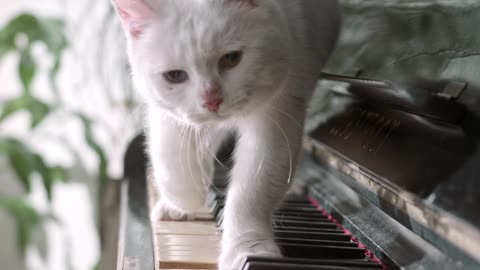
67 110
66 115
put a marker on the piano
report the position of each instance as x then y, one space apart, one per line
390 171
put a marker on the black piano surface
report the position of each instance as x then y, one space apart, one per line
412 150
404 129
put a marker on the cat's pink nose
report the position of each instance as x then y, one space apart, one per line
212 99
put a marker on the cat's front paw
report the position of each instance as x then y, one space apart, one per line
233 255
163 212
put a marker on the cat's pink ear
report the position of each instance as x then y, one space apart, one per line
135 15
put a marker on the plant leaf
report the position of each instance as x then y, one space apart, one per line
102 158
45 174
6 45
12 106
25 162
26 70
26 218
23 166
49 175
38 110
21 162
58 174
49 31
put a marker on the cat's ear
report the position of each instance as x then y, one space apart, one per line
135 15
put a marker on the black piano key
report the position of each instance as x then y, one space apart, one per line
292 226
300 218
296 229
284 266
290 212
306 229
321 252
311 235
307 210
306 235
316 242
264 263
308 224
215 204
217 208
212 198
219 218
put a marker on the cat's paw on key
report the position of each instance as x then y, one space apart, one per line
163 212
231 258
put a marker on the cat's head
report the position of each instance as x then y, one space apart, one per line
205 60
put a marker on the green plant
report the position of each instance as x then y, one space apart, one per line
18 37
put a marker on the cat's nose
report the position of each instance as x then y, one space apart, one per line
212 99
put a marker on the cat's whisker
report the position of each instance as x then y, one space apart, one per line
183 137
289 116
237 98
189 163
211 182
260 166
183 134
200 160
288 145
207 139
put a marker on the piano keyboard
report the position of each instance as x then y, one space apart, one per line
309 239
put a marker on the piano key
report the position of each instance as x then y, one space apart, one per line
307 210
299 213
219 218
296 263
287 266
306 229
298 229
192 228
216 207
305 251
300 218
301 230
186 261
312 235
316 242
188 240
303 223
187 245
308 224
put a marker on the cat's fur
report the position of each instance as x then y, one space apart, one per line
285 43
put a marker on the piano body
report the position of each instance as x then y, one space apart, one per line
390 171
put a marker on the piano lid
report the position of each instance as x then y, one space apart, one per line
414 146
410 132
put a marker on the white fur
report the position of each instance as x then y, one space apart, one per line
285 45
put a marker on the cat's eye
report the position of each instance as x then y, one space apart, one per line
230 60
176 76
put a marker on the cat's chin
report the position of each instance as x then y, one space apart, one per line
201 119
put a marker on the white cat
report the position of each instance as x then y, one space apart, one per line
207 68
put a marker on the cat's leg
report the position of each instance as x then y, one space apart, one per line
182 162
265 157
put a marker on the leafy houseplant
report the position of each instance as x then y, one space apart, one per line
18 37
